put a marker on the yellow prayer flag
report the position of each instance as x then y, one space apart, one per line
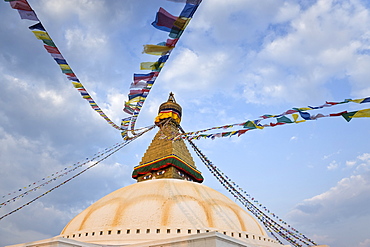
357 100
77 84
64 66
362 113
181 22
295 117
134 100
304 109
147 65
156 49
41 35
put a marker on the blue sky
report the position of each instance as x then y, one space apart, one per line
237 60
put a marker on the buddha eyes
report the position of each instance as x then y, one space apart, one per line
147 177
161 172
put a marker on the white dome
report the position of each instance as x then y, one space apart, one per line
159 209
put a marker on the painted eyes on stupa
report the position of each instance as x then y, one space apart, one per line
160 172
147 177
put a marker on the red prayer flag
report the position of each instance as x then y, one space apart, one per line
275 124
171 42
241 132
337 114
51 49
21 5
164 21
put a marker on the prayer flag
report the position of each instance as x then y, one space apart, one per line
132 96
64 66
37 26
52 49
181 23
364 100
156 49
275 124
337 114
164 20
154 66
21 5
186 1
28 15
138 91
284 119
134 99
41 35
241 132
249 125
73 78
49 42
356 114
77 85
144 77
139 84
171 42
357 100
60 61
175 33
147 65
70 74
314 117
189 10
295 117
128 109
305 115
55 55
163 59
65 71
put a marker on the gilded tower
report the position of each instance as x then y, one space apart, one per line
165 157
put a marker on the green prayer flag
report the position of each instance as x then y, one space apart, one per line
284 119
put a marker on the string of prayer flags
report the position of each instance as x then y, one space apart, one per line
26 190
281 119
26 12
308 108
186 1
115 149
251 125
287 232
175 26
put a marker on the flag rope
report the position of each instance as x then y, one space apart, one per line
288 233
114 150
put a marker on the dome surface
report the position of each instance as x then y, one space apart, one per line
158 209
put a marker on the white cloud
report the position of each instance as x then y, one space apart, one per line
364 157
365 243
332 166
287 12
349 198
296 66
350 163
294 138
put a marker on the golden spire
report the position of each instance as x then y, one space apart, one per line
165 158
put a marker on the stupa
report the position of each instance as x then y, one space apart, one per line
168 206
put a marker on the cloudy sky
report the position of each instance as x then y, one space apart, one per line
237 60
